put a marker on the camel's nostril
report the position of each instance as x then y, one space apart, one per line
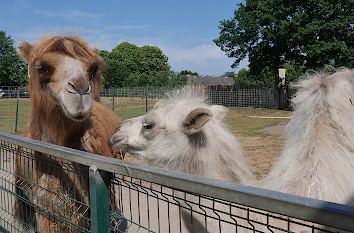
71 88
88 90
118 128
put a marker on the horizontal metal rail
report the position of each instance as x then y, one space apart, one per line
321 212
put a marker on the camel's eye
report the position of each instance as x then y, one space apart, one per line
42 69
93 71
118 128
147 126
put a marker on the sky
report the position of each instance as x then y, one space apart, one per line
184 30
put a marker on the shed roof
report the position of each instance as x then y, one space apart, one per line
210 80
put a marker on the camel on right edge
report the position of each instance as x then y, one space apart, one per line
318 157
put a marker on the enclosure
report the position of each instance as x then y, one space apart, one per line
155 200
151 199
131 102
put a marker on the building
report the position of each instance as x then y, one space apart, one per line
211 82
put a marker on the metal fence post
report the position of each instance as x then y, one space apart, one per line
18 102
238 100
146 101
113 90
99 202
255 100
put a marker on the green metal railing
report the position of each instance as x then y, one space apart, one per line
81 192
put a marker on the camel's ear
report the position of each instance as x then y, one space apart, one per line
195 120
24 50
219 111
96 50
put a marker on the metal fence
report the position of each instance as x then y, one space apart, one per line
64 190
132 102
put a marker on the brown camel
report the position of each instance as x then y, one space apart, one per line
65 82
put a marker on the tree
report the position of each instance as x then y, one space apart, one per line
153 60
230 74
309 33
114 74
128 55
132 66
294 71
12 68
242 78
188 72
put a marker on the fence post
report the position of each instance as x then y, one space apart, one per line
255 100
146 101
113 90
18 102
238 100
99 202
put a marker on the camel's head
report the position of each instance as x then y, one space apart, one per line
172 130
64 74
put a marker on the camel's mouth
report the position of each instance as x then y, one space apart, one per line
80 117
126 148
122 144
75 116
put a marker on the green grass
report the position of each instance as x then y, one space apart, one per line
125 108
8 115
242 124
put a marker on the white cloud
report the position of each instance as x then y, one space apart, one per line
69 14
204 59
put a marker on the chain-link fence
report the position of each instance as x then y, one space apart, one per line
49 192
132 102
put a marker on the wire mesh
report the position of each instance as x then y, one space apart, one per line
14 112
131 102
41 193
150 207
44 193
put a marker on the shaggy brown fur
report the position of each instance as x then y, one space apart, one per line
49 123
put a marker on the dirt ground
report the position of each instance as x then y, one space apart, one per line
262 140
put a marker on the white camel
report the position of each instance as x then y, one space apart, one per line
318 158
185 134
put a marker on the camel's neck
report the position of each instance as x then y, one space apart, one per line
311 133
210 156
51 125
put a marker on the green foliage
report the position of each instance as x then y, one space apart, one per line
128 55
12 68
131 66
104 54
188 72
231 74
244 78
153 60
293 70
267 78
114 73
179 79
329 68
310 34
